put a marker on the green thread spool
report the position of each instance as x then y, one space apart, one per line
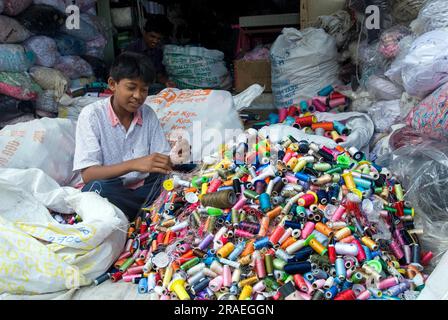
279 264
343 161
214 212
334 170
190 263
271 283
322 167
235 216
250 194
269 262
399 192
126 264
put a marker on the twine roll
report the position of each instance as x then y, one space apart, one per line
222 199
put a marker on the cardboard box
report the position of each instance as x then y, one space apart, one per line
248 73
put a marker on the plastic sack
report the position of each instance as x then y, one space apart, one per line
57 4
74 67
86 32
258 53
69 45
382 89
95 47
404 11
70 108
14 7
46 144
389 45
19 86
370 61
425 68
50 79
45 50
422 167
437 283
384 114
42 20
121 17
47 101
302 63
14 58
198 116
11 108
40 255
337 25
395 69
430 117
12 31
433 16
196 67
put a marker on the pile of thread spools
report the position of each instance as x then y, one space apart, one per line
311 223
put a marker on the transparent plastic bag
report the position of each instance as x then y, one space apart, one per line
422 167
384 114
382 89
390 39
394 72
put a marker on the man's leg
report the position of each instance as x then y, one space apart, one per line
114 191
152 188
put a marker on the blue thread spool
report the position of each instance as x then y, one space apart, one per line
347 285
143 285
320 274
265 202
273 118
297 267
237 251
261 243
309 276
325 91
289 121
331 293
303 177
201 285
294 208
233 289
225 188
367 252
365 184
209 260
320 237
322 196
302 255
292 225
102 278
303 106
341 272
376 254
340 128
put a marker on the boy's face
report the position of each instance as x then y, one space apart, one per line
152 39
129 94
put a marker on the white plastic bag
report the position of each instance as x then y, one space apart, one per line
303 62
46 144
196 67
425 68
383 89
205 118
433 16
384 114
436 286
39 255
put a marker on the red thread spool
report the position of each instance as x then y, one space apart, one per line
327 126
426 258
143 228
277 234
292 110
331 253
116 276
306 121
160 237
282 114
361 256
319 105
337 102
300 282
308 199
346 295
399 206
336 95
214 185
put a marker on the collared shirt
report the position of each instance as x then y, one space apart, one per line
102 140
155 54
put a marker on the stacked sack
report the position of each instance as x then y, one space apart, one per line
40 56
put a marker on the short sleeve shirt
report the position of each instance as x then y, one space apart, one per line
102 140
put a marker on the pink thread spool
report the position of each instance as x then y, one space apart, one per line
216 284
387 283
214 185
307 230
226 276
338 213
282 114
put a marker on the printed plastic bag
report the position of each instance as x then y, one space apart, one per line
40 255
44 49
74 67
50 79
196 67
394 72
198 116
42 20
15 58
302 62
430 117
14 7
425 68
12 31
19 86
46 144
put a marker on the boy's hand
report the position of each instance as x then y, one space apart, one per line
154 163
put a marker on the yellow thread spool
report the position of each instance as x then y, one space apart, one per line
299 166
245 293
168 276
248 282
204 188
292 163
245 260
349 181
324 229
372 245
342 233
177 286
225 250
318 247
274 213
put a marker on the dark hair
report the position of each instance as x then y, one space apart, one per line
132 65
159 24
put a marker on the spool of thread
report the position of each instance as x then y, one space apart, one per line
308 199
305 121
336 137
303 106
318 247
348 249
349 180
225 250
319 105
336 102
260 186
340 128
326 91
221 199
265 202
297 267
319 132
327 126
356 154
341 272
